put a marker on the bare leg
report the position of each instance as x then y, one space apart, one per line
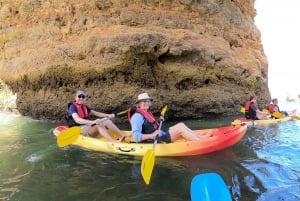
261 116
105 134
110 125
181 129
95 130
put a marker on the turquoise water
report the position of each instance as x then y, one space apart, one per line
264 165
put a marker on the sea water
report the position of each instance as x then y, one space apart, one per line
263 166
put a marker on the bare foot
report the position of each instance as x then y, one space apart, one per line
126 135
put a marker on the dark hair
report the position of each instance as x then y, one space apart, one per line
251 98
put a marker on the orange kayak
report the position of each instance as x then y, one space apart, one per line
220 138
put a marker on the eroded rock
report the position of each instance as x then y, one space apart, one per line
203 58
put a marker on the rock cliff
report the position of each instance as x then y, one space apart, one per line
204 58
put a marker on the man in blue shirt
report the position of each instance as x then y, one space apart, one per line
79 112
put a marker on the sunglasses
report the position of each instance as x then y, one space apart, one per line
81 96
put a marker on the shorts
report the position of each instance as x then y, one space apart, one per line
164 136
251 117
85 129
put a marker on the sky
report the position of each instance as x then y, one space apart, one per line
278 22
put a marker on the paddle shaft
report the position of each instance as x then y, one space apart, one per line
148 160
156 138
163 111
121 113
243 110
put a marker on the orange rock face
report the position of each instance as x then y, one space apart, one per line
203 58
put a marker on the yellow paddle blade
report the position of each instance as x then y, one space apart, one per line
265 110
68 136
243 110
163 110
147 165
278 115
295 117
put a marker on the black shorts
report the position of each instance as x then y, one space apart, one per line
251 117
165 137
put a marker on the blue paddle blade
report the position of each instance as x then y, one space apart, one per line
209 187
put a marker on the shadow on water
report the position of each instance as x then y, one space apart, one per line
74 174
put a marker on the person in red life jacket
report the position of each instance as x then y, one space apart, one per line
273 107
144 127
79 112
252 111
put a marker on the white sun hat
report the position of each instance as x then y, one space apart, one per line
143 96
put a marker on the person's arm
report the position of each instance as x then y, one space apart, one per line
136 122
255 108
72 112
101 114
82 121
259 114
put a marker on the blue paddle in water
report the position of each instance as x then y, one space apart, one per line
209 187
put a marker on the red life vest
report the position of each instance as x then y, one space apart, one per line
247 105
146 114
81 110
271 108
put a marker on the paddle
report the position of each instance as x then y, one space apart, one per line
243 110
121 113
295 117
277 115
265 111
149 157
70 135
209 187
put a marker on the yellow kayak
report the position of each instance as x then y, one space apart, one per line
253 123
220 138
